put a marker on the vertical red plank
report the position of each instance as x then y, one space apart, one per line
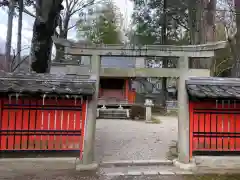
50 139
84 119
127 89
4 127
232 127
18 127
10 138
191 122
213 129
59 119
81 129
207 130
225 130
237 130
1 124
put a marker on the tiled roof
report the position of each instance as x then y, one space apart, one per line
45 83
214 87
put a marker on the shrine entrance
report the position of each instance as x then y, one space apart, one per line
141 80
112 90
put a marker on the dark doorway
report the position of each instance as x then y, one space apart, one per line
112 83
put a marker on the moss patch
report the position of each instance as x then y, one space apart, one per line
155 121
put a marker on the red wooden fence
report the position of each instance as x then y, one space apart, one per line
42 125
215 127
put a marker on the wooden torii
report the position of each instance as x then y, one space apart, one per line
182 71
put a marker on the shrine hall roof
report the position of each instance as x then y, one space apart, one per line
45 83
212 87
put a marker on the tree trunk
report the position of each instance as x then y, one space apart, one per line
43 30
235 72
8 45
63 34
19 38
192 21
165 60
202 26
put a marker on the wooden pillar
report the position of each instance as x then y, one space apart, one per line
183 112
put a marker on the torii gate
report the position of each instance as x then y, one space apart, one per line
183 72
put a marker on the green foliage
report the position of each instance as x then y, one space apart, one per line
148 19
102 27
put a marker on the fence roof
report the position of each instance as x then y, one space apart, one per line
45 84
211 87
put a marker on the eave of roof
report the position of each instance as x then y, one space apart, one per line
212 87
45 84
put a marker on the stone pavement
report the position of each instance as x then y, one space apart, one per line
64 168
134 140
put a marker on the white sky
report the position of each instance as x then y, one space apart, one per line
124 5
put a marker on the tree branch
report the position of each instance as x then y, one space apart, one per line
20 63
228 68
81 7
73 4
73 26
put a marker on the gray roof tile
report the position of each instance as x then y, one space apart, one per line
212 87
45 83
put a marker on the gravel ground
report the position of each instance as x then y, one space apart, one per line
115 140
134 140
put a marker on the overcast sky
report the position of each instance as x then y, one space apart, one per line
124 5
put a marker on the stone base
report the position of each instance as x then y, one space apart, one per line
87 167
191 166
148 122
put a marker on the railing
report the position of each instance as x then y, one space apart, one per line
40 126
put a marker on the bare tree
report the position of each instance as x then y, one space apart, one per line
11 8
19 36
72 7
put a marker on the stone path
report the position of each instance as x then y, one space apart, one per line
134 140
64 168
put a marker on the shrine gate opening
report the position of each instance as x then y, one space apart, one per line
95 71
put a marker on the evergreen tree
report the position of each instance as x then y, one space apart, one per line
148 20
102 26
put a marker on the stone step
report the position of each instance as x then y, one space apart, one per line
140 168
113 113
122 163
147 170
